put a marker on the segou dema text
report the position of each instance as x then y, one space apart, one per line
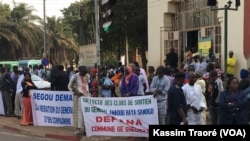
52 97
56 115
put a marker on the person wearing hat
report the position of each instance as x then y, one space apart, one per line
231 62
176 102
19 90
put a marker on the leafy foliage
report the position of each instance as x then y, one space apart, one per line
23 33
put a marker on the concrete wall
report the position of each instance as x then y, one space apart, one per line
236 31
235 34
156 10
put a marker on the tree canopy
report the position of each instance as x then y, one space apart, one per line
22 33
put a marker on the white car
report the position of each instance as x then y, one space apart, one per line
40 83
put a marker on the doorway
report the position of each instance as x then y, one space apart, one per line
192 40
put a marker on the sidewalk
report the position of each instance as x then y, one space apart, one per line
59 133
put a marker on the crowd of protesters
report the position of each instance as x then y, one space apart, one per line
195 94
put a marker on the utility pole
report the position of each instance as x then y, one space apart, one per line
227 6
80 24
44 38
97 33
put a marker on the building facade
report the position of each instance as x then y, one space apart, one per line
182 24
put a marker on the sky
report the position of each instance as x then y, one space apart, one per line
52 7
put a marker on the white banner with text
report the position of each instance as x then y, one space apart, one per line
119 116
52 108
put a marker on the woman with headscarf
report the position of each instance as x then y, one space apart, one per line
27 85
129 83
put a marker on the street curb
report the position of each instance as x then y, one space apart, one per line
38 134
56 136
67 138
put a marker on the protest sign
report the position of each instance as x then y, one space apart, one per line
52 108
119 116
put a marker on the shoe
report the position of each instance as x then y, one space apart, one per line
8 115
19 117
15 115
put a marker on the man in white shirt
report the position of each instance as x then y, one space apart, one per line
194 98
142 83
19 96
144 74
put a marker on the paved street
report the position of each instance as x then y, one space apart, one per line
10 130
12 125
9 135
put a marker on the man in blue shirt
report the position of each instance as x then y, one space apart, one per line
177 105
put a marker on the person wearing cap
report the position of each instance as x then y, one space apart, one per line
231 62
176 102
19 95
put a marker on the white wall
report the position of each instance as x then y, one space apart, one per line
235 34
156 10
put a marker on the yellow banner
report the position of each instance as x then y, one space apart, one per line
204 46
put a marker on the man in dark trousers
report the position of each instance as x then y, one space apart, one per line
5 86
177 105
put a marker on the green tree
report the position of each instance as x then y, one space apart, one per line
19 34
80 16
61 43
130 22
4 11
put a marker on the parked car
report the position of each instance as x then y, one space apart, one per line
40 83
